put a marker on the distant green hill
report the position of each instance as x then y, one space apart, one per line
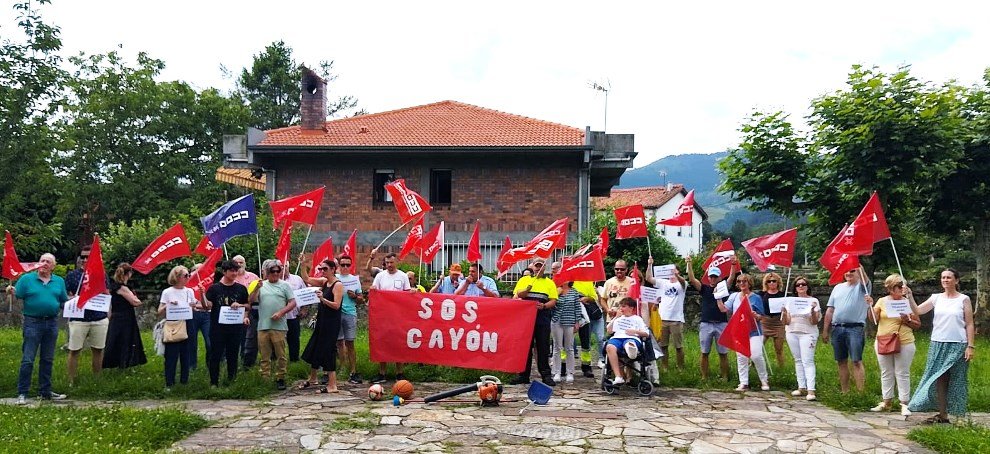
699 172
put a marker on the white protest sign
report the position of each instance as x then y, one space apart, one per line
663 271
306 296
801 306
231 316
649 295
894 308
178 311
776 304
351 282
721 290
98 303
71 309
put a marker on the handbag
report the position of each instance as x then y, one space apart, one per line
175 331
888 344
159 334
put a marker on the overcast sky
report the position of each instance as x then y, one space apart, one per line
683 75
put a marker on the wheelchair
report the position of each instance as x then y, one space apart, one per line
639 366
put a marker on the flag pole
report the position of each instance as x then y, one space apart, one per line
303 251
896 259
788 285
648 247
393 233
257 241
759 329
225 256
862 280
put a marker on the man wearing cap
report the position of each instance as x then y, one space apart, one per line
541 290
275 299
449 283
43 294
713 317
477 284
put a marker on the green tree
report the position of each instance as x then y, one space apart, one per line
271 88
31 80
633 249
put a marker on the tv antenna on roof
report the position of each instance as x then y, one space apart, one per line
604 88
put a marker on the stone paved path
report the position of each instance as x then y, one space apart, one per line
578 419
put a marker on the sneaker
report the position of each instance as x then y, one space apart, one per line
519 380
586 371
549 381
811 396
54 396
880 407
601 363
378 379
280 384
905 411
742 387
21 400
797 393
618 381
631 350
556 377
400 376
765 387
355 379
569 378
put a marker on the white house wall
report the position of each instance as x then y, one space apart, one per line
685 240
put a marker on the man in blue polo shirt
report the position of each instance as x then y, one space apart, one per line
43 295
844 326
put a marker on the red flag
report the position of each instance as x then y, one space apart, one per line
94 279
474 246
603 242
736 333
12 268
205 247
432 243
631 221
774 249
324 252
169 245
350 248
872 219
581 267
836 260
412 239
634 288
302 208
684 216
501 264
284 244
204 274
408 203
542 245
723 258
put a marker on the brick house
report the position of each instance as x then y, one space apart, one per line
660 202
513 173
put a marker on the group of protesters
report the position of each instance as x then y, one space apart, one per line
571 317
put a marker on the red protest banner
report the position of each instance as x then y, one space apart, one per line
631 222
302 208
450 330
169 245
474 246
408 203
684 216
774 249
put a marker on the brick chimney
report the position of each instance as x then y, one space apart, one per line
313 106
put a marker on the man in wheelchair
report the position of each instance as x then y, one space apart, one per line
626 331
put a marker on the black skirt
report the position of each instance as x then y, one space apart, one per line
321 350
124 345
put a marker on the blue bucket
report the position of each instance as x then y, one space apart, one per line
539 393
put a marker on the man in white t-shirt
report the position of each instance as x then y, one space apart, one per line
671 313
390 279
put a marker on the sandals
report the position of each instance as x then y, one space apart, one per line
305 385
327 390
936 420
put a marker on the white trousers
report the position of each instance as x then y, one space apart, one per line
803 349
896 367
563 337
742 362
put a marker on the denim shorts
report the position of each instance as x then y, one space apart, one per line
708 334
847 343
348 327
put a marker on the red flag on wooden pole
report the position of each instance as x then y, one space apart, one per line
474 246
169 245
94 278
736 334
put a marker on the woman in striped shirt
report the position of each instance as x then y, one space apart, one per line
565 322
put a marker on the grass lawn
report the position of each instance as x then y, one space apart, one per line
954 439
51 428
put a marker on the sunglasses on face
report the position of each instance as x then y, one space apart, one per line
620 269
772 281
801 284
322 268
275 270
537 265
182 275
345 264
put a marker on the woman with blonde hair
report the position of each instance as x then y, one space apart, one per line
177 352
802 338
124 346
773 327
895 366
945 386
745 285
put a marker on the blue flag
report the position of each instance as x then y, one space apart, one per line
234 218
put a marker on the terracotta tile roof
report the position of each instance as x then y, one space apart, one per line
650 197
445 123
240 177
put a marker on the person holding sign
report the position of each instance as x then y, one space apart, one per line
713 317
672 293
773 328
90 329
321 350
745 285
176 305
124 345
348 315
228 303
896 323
944 386
275 299
801 324
42 293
